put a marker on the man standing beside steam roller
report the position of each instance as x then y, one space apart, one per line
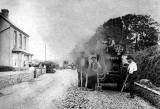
94 68
82 67
132 69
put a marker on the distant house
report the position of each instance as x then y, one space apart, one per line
14 50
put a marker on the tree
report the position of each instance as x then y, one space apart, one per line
136 30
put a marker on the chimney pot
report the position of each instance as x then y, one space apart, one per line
5 12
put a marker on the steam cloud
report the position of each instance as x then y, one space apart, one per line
94 45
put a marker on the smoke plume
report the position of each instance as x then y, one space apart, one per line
94 46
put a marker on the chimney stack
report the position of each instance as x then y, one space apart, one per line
5 13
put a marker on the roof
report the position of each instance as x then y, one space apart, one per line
13 25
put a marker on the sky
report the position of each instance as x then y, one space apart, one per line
61 24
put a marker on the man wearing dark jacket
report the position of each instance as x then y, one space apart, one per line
93 71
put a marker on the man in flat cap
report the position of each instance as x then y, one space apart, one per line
94 68
132 69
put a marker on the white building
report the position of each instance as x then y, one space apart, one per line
14 47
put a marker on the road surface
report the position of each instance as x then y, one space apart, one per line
37 94
49 91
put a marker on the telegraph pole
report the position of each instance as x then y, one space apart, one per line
45 52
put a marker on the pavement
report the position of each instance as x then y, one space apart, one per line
58 91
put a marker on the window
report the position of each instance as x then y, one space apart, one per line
15 39
20 40
25 43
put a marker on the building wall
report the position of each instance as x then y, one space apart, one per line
5 53
20 59
26 60
11 78
7 44
15 60
19 39
30 59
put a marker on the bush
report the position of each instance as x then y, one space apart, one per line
6 68
149 64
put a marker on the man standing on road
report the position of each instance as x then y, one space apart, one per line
132 69
94 69
82 66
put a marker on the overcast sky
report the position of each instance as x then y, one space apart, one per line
62 23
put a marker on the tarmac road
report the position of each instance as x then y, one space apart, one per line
49 89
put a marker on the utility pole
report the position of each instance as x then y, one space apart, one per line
45 52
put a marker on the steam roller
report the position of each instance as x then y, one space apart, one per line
113 71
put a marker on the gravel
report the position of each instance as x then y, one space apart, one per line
76 98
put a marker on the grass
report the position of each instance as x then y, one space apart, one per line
6 68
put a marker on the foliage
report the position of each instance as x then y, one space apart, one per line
149 64
137 30
7 68
65 62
